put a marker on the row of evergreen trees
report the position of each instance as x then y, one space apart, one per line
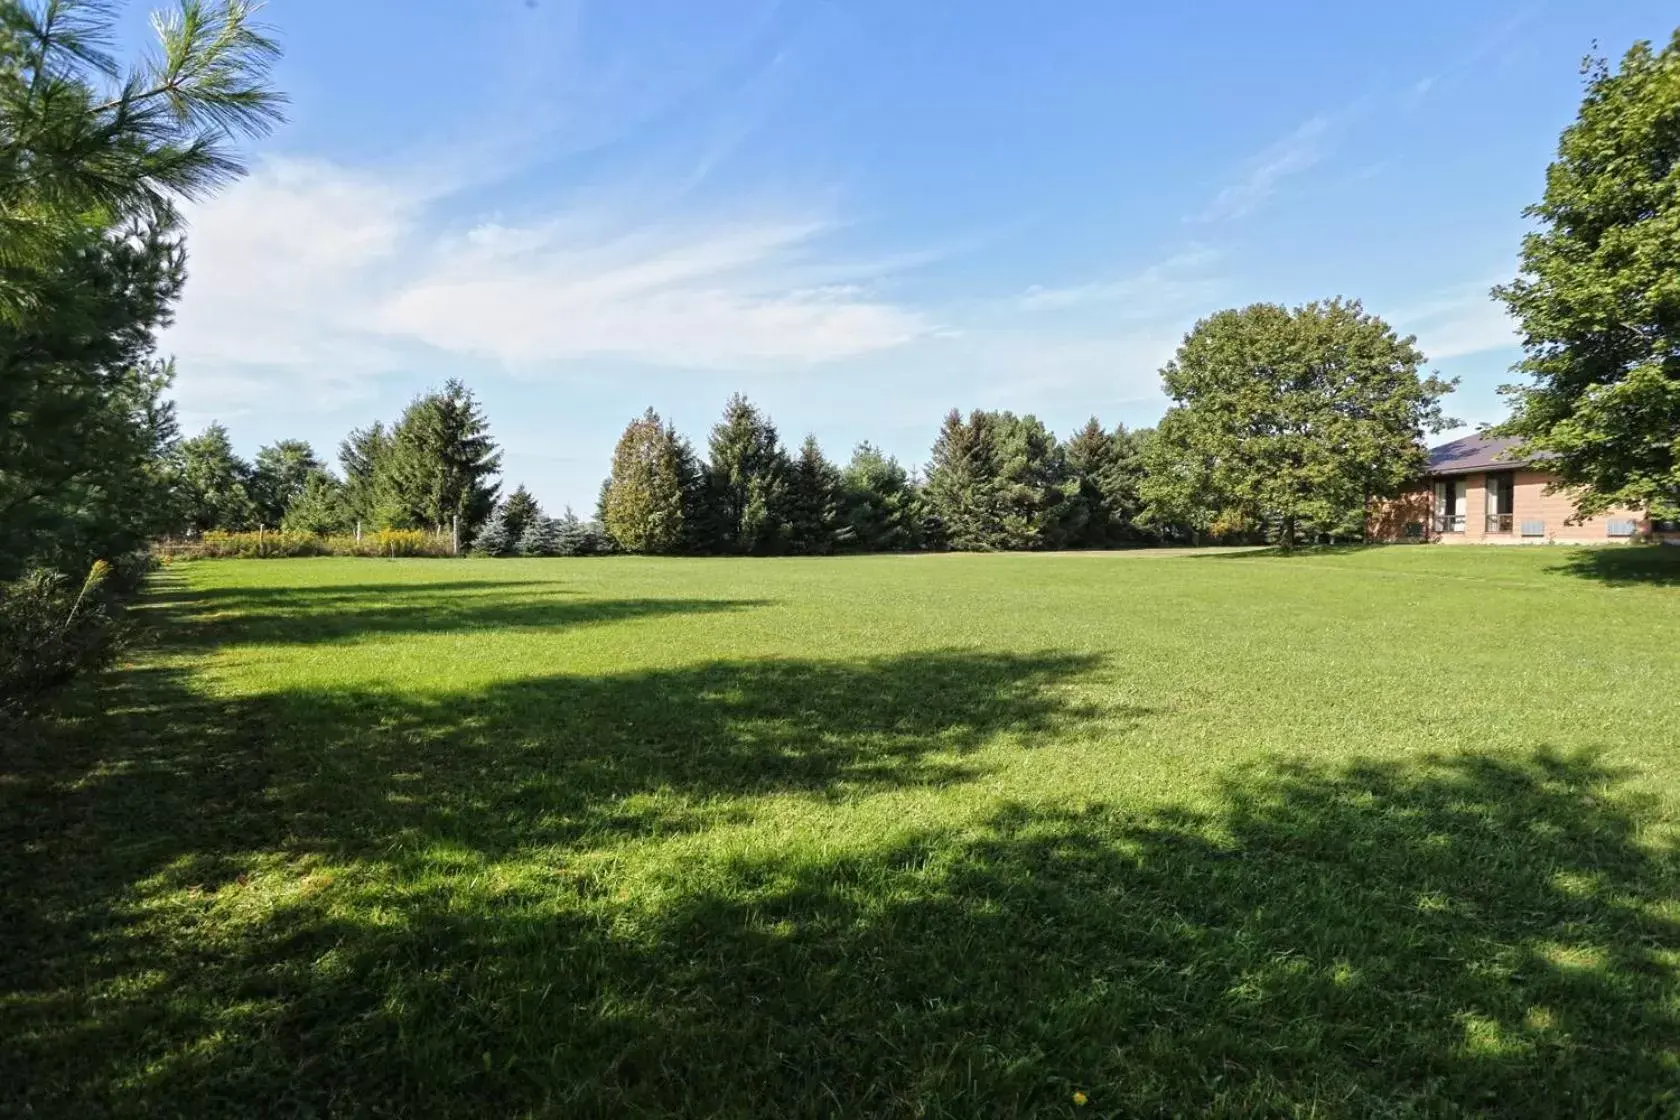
434 468
996 481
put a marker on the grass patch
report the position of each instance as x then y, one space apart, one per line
1360 833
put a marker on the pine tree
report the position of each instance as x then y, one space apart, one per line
962 482
880 508
645 502
746 483
520 510
813 501
493 538
1105 467
278 476
215 483
319 508
442 461
539 537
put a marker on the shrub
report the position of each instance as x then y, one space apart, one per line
581 538
50 630
268 546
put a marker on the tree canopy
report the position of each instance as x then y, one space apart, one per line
1290 421
1598 297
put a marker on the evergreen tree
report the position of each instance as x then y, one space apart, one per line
880 510
1034 490
645 502
91 259
278 477
493 538
1293 420
539 536
1597 297
215 483
365 458
520 510
812 501
1106 468
962 489
318 508
442 462
746 483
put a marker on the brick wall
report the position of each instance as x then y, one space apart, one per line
1530 502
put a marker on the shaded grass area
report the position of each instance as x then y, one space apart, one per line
857 879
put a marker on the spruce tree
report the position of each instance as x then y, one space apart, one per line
880 509
746 484
1105 468
963 488
538 537
443 462
813 501
520 511
278 477
493 538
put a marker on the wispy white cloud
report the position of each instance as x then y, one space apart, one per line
1457 321
1163 288
328 276
1299 151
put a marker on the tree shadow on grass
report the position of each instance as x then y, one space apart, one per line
1624 565
1460 935
155 800
211 617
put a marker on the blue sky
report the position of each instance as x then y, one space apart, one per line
860 214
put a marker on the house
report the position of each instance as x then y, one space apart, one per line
1476 491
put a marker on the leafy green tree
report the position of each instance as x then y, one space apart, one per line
646 501
813 500
746 483
215 483
880 509
319 507
1598 296
278 477
442 463
1294 420
520 510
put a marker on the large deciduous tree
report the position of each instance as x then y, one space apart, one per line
1291 421
646 503
1598 297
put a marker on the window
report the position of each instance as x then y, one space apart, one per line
1450 504
1501 498
1621 527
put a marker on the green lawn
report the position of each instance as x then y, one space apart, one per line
1358 833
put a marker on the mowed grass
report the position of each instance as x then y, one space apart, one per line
1385 832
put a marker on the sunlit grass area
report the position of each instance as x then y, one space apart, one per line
1347 833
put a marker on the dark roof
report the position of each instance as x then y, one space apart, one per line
1479 452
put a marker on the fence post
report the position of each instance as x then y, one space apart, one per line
358 530
455 535
260 550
